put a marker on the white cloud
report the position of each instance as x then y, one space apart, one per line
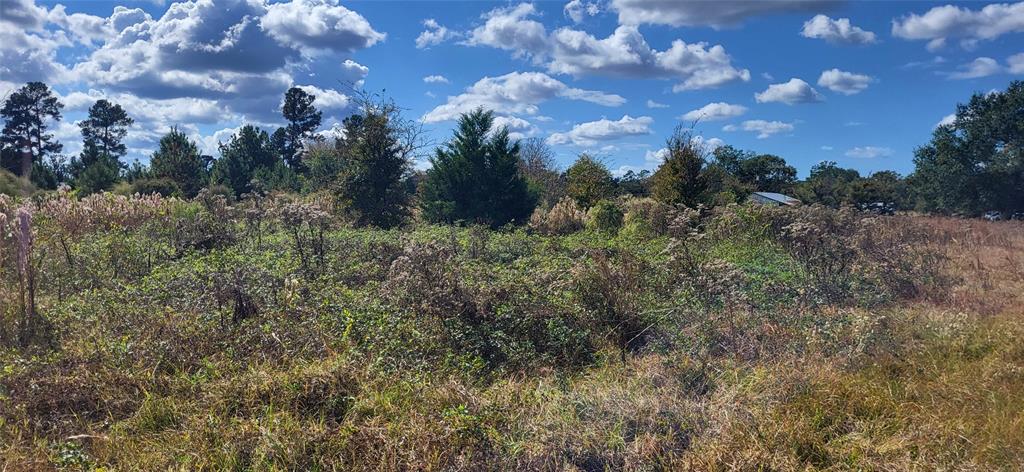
326 99
827 148
703 13
1015 63
846 83
949 21
578 10
353 72
946 120
514 93
656 157
792 92
765 129
654 104
625 53
508 28
980 67
590 133
434 34
869 152
714 112
436 79
518 128
836 31
315 25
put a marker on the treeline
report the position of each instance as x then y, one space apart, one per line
972 166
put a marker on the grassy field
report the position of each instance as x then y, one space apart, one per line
270 335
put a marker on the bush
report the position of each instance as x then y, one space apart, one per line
605 217
14 186
565 217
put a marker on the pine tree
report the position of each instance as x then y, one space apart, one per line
248 152
377 151
106 127
303 120
475 176
178 159
24 133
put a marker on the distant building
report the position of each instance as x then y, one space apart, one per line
770 198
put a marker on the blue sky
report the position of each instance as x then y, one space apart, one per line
860 83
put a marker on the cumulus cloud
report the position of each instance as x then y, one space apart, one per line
792 92
714 112
326 99
316 25
625 53
980 67
715 14
836 31
868 152
846 83
654 104
435 79
1015 63
578 10
953 22
434 34
593 132
514 93
518 128
764 129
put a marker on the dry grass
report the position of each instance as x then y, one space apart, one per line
931 383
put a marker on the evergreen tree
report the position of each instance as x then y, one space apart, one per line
106 127
475 176
98 166
377 150
680 179
589 181
248 152
303 120
178 159
24 135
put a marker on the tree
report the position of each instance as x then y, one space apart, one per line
98 166
241 158
588 181
680 179
106 127
537 164
25 113
475 176
178 159
883 191
828 184
303 120
378 148
976 163
637 184
755 172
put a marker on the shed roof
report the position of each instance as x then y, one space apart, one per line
778 197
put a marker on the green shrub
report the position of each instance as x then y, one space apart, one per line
605 217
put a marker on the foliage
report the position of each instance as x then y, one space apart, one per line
537 165
178 159
755 172
565 217
378 148
604 216
682 178
975 164
248 152
303 119
588 181
26 112
475 176
829 185
105 128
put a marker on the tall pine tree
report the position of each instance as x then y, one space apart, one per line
24 137
303 120
178 160
103 132
475 176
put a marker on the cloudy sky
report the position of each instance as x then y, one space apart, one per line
862 84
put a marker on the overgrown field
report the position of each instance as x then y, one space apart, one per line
270 335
